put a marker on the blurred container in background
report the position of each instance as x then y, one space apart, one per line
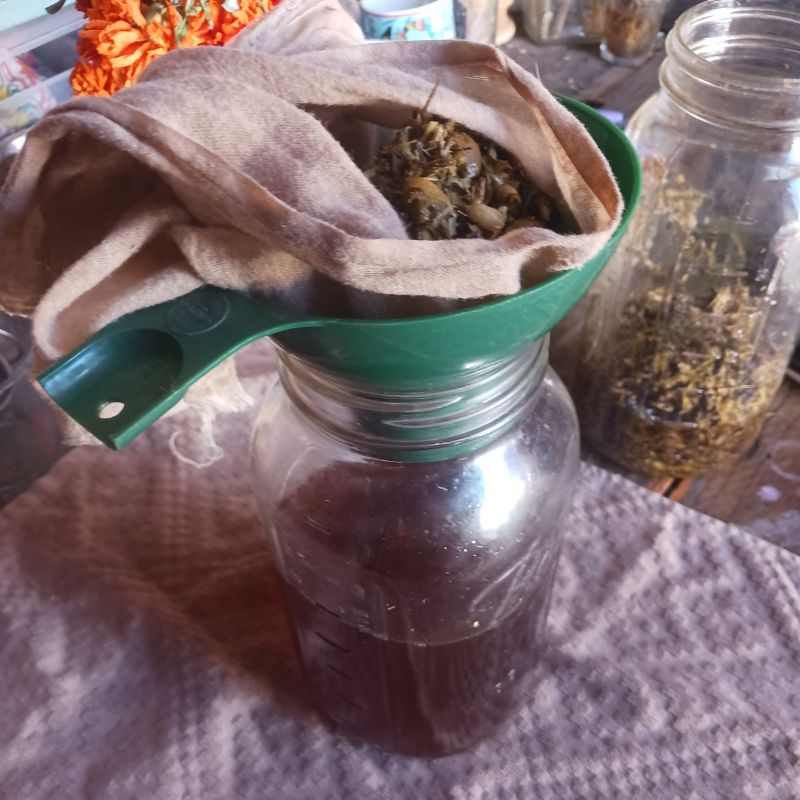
550 21
630 30
693 322
29 436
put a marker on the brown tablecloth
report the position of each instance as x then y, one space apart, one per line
144 655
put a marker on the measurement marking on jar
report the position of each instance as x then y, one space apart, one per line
332 643
332 613
339 671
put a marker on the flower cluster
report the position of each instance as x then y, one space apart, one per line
121 37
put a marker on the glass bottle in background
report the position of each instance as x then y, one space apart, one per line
416 532
549 21
630 30
29 437
476 20
690 328
794 365
506 27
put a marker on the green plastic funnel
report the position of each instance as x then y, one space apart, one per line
134 370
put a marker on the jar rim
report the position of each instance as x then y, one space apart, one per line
724 76
423 423
683 45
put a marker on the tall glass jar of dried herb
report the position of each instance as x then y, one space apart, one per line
690 329
549 21
630 31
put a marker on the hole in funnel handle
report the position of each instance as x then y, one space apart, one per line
110 410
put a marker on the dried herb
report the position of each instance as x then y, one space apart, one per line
570 19
689 394
451 183
594 14
681 371
631 27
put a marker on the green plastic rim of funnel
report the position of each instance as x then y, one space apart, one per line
133 371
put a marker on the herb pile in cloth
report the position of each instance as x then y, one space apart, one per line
448 182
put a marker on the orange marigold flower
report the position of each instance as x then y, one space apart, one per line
123 45
121 37
88 79
161 37
112 10
205 31
249 10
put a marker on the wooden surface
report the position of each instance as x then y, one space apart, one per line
580 73
762 492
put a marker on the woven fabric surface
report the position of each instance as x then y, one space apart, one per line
144 653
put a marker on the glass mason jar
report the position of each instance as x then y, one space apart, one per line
29 436
416 533
548 21
692 324
630 30
476 20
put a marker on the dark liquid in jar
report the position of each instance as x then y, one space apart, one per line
407 527
422 700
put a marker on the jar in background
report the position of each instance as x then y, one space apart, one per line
692 324
630 30
416 532
506 28
16 355
29 437
476 20
549 21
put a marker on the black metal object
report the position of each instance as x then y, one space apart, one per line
794 365
30 441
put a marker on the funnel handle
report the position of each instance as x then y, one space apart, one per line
134 370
